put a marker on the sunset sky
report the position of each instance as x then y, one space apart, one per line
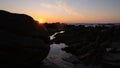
66 11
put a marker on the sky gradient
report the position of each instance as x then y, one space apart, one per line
66 11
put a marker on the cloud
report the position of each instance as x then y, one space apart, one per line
69 10
46 5
62 6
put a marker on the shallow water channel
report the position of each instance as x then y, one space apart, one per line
58 58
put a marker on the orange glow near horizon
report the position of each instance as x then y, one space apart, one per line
48 19
41 20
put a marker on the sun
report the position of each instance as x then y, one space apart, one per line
41 20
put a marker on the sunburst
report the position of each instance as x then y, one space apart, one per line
41 20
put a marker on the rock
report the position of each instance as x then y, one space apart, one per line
112 57
89 43
23 42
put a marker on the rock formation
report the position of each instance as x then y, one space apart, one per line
23 41
90 44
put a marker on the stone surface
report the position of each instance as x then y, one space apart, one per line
23 41
89 43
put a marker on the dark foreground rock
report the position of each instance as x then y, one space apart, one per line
93 45
23 42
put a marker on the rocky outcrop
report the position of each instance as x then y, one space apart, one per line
54 27
23 42
90 44
112 56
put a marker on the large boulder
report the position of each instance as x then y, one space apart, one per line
23 41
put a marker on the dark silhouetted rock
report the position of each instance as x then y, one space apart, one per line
23 41
90 44
54 27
